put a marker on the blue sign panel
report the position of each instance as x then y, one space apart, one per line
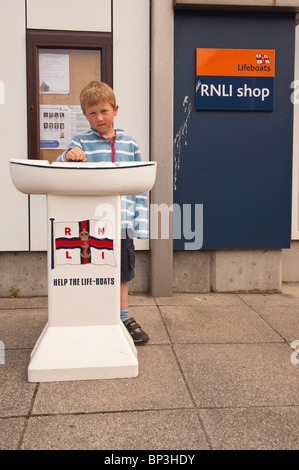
235 93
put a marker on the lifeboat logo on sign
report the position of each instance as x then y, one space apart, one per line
262 59
83 242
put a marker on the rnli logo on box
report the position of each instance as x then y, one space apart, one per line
235 79
82 242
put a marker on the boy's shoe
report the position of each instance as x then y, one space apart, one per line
139 336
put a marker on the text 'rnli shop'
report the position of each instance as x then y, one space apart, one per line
235 79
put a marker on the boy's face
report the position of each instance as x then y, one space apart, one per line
100 117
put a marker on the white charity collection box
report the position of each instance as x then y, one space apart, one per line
84 337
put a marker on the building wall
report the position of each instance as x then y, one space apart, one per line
14 233
23 227
219 270
23 236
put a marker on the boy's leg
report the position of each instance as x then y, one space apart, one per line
124 302
127 274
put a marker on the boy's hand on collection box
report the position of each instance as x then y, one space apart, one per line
76 154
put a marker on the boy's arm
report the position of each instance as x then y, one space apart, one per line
73 152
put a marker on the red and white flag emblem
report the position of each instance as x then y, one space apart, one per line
84 242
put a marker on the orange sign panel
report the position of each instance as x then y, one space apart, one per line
235 62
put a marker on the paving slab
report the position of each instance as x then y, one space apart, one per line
16 392
23 302
11 430
165 430
236 375
279 311
20 328
159 385
206 323
141 299
259 428
195 299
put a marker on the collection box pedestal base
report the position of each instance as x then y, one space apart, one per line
83 353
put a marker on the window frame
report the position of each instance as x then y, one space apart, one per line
48 39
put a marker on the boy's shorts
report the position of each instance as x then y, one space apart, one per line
127 256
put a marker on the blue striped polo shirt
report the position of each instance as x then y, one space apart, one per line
134 209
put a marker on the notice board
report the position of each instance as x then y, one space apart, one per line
235 163
60 87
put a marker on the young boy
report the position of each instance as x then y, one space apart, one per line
103 143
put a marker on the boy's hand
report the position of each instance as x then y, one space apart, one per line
76 154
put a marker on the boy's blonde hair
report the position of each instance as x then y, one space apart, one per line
96 91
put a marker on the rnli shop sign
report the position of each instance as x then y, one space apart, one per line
235 79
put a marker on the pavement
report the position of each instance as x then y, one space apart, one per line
221 371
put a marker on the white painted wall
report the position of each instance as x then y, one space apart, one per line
69 15
13 124
131 73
